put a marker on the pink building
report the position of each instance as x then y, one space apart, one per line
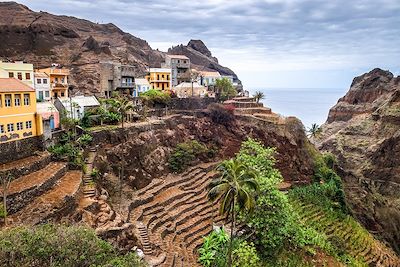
49 112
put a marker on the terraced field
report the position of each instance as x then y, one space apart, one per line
358 242
173 215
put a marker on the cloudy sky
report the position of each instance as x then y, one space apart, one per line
268 43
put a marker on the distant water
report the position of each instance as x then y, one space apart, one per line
309 105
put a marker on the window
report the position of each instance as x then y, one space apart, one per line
1 101
28 125
62 80
11 74
1 129
56 79
10 127
27 100
46 93
62 94
27 76
44 81
20 126
19 74
38 81
8 101
17 100
41 95
179 61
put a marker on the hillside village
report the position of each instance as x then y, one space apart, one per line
115 154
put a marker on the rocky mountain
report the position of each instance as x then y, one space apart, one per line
363 131
42 39
201 58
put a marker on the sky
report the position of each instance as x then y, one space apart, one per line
268 43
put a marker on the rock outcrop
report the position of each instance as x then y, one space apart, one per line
42 39
363 131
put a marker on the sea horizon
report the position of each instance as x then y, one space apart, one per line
310 105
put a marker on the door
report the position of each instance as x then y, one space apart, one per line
52 122
41 95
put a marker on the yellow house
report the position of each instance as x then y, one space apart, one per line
58 81
18 117
19 70
159 78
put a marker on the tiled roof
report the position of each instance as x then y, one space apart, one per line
14 85
178 56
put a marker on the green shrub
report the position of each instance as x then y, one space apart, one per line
245 255
154 96
50 245
185 153
3 212
84 140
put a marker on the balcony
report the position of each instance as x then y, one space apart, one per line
59 86
59 71
127 85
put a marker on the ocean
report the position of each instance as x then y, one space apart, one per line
309 105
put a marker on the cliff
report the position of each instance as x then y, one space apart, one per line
363 131
42 39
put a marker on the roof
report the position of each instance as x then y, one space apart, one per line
55 71
17 65
178 56
44 107
41 75
210 74
160 70
186 85
141 81
82 101
14 85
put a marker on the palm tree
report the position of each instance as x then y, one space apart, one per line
314 131
123 105
235 189
259 95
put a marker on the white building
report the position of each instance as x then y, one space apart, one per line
185 90
42 86
79 105
141 85
208 78
19 70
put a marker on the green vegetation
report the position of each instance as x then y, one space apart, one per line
235 188
213 252
259 96
153 96
291 229
314 131
225 89
185 153
50 245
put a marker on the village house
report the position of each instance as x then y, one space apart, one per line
76 110
19 70
159 78
42 86
208 78
186 89
115 76
180 68
18 116
58 81
49 113
141 85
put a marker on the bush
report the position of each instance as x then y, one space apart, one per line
153 96
226 89
221 114
186 153
3 212
50 245
84 140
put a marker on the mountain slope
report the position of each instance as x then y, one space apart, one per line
363 131
42 38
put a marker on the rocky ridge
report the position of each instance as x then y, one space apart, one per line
42 38
363 131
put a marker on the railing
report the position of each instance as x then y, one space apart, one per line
129 84
59 85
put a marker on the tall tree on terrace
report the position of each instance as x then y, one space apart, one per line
235 188
259 96
123 105
314 131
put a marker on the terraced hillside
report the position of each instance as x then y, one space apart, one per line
346 232
40 188
172 216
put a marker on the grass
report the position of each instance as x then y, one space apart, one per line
102 127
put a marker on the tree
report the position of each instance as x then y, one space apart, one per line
225 88
259 96
314 131
235 188
123 105
5 184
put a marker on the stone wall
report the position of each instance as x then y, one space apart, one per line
190 103
18 149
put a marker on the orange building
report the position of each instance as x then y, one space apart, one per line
58 81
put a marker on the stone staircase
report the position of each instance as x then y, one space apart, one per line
359 243
89 187
173 215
